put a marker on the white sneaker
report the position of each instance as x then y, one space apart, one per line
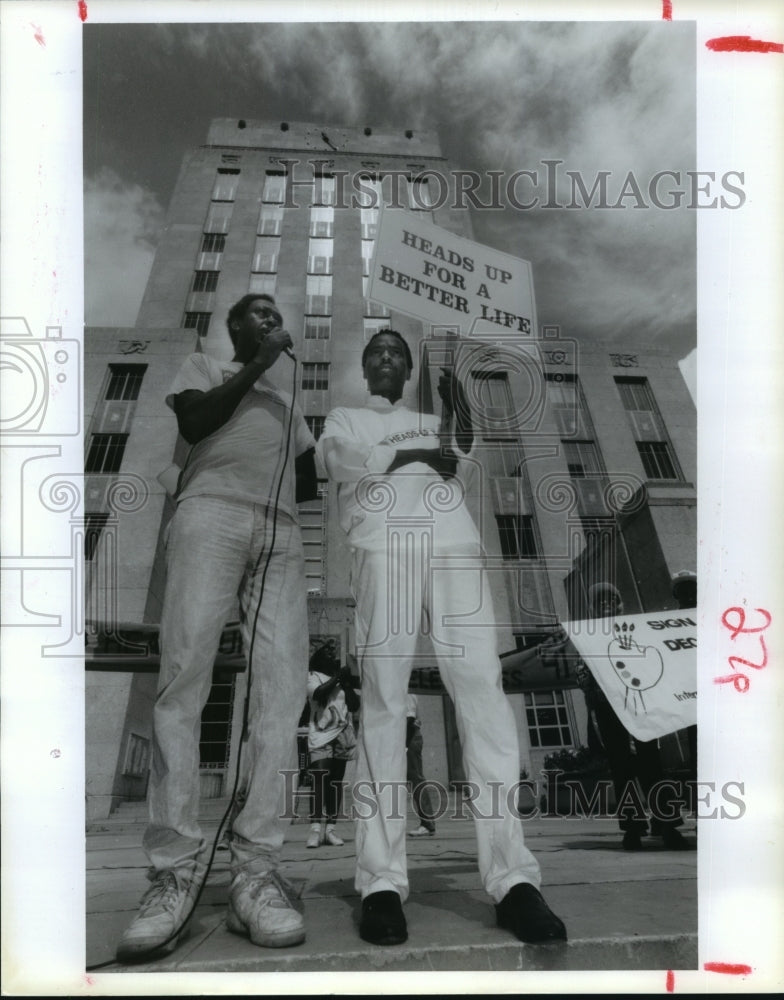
330 837
260 908
158 925
421 831
316 835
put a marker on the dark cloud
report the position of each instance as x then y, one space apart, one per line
615 97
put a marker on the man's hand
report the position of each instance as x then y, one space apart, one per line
269 349
451 392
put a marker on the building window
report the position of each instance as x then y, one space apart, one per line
322 221
262 284
369 223
213 243
503 456
93 526
650 435
271 220
315 425
491 399
368 247
657 460
324 189
105 453
125 381
318 327
311 516
635 394
205 281
315 375
225 188
318 295
265 254
198 321
137 756
215 735
320 256
517 536
371 193
370 327
274 187
548 719
218 217
582 458
419 195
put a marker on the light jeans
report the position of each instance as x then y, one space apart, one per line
216 550
391 589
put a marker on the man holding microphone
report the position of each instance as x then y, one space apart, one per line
234 532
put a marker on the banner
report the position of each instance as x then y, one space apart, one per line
647 667
427 272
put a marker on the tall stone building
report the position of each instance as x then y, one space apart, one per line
594 476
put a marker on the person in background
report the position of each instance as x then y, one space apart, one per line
331 741
628 758
423 800
684 590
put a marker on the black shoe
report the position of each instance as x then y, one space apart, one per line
524 912
382 919
632 841
675 841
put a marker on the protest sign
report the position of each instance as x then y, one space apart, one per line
423 270
647 667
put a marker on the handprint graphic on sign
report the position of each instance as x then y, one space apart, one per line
639 668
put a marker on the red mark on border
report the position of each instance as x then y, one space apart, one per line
667 16
728 968
742 43
82 11
670 981
739 680
38 35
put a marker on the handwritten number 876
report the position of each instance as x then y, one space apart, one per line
734 619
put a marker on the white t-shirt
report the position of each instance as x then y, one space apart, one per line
242 460
357 445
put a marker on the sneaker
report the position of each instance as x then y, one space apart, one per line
316 836
382 919
260 908
422 831
524 912
330 837
158 925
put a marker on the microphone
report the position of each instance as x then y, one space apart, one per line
290 353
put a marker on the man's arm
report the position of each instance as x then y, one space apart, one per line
441 460
200 414
456 404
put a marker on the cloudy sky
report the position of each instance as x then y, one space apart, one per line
614 96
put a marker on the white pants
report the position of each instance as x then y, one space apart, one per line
392 588
216 550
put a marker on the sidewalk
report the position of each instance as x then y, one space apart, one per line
623 911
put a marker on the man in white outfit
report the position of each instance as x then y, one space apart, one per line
417 555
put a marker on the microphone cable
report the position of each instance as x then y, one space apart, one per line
246 707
